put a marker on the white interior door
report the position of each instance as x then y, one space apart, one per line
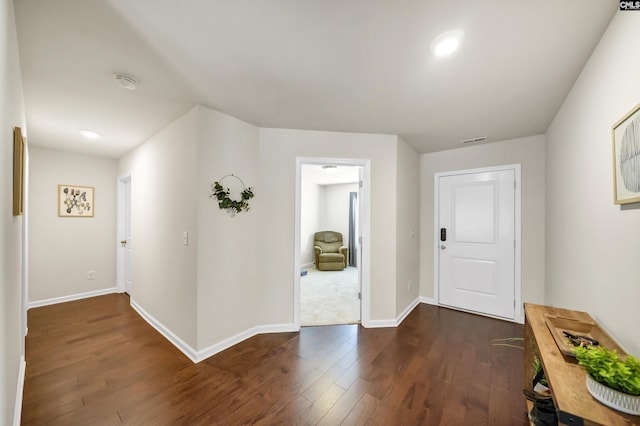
359 236
476 242
128 245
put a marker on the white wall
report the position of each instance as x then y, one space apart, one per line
11 244
407 227
592 244
244 264
335 208
278 152
230 280
64 249
530 153
211 289
164 198
311 202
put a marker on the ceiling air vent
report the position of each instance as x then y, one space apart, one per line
474 140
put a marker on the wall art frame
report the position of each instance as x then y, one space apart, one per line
626 158
75 201
18 171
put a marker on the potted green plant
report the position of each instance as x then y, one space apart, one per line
611 379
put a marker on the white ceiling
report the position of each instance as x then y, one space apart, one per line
337 65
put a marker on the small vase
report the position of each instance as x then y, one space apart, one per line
620 401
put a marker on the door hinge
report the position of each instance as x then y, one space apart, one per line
360 296
361 184
515 185
360 240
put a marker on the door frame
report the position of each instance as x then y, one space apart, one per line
25 254
518 313
365 232
120 266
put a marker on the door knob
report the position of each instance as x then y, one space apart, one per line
443 247
123 242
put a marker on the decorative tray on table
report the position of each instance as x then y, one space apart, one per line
569 333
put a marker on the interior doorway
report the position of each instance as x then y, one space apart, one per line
332 204
329 221
125 238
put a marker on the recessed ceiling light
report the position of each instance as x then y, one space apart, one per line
89 134
125 81
447 43
330 169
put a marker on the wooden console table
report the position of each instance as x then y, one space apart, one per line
566 379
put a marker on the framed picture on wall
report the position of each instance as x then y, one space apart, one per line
626 158
75 201
18 171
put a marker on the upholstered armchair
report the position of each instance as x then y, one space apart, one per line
330 254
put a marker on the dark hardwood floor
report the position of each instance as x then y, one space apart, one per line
95 362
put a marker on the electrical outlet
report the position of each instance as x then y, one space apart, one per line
91 275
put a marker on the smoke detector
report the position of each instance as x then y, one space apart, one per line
125 81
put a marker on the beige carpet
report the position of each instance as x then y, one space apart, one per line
329 297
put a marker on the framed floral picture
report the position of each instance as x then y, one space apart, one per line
75 201
626 158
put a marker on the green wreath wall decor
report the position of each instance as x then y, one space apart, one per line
225 202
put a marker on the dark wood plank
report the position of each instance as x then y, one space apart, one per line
95 361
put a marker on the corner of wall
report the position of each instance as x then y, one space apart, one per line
407 226
228 299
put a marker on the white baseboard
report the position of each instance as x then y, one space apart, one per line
277 328
225 344
184 347
17 410
197 356
407 311
71 297
247 334
394 322
427 300
380 323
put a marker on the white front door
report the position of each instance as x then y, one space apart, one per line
476 242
